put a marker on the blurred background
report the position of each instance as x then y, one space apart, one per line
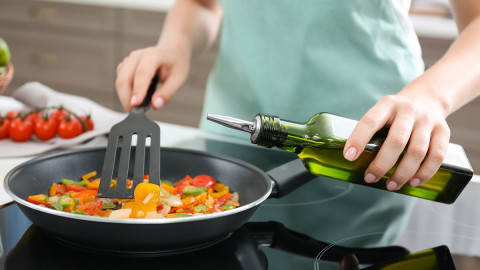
74 46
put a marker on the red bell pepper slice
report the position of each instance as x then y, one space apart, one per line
38 202
203 180
214 209
61 189
76 188
90 208
224 198
182 184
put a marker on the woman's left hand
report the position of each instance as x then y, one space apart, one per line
417 129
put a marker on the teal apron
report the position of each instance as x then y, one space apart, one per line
294 59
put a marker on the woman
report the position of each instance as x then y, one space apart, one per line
355 58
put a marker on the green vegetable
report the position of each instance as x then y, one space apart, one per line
107 205
183 215
200 208
57 206
76 200
191 190
71 182
227 207
167 182
64 201
79 212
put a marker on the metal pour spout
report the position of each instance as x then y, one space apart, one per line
231 122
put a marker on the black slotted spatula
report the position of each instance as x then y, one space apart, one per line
120 140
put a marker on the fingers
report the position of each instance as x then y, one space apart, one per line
436 155
414 148
135 74
413 157
124 81
370 123
392 148
144 72
169 86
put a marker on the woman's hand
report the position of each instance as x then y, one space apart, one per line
417 126
134 74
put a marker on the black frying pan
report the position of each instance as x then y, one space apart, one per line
149 236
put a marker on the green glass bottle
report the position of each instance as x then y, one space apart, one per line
319 143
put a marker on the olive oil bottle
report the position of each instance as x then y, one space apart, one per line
319 143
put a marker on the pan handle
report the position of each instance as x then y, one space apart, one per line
288 177
277 236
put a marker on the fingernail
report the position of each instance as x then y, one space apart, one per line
133 100
415 182
370 178
351 153
158 102
392 186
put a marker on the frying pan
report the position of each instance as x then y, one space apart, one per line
149 236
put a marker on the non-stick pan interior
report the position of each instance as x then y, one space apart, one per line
37 175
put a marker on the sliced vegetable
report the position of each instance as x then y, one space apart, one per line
68 182
188 197
38 202
227 207
203 181
53 190
56 206
108 205
91 208
200 208
193 190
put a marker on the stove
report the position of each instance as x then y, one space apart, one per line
258 245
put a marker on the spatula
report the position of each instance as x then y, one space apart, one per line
120 140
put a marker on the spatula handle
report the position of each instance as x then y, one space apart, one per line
145 105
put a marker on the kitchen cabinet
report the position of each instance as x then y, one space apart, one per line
75 48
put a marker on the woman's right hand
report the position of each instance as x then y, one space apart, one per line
134 74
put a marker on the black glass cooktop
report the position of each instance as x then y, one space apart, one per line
256 245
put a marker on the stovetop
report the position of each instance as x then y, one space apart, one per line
256 244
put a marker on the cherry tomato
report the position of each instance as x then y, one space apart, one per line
88 121
203 180
45 129
20 130
69 127
12 114
4 127
58 115
33 117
